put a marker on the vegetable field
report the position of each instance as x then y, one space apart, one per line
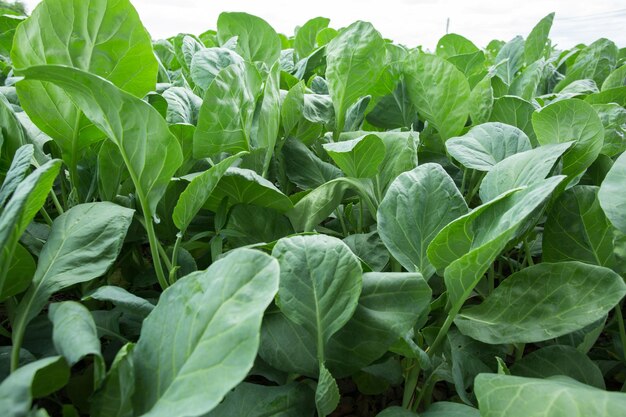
247 224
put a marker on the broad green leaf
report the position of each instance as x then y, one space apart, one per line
251 400
12 135
247 187
616 79
569 120
559 360
114 398
266 124
418 204
320 284
317 205
395 110
207 64
429 80
358 158
123 299
292 107
613 117
452 44
396 411
215 318
577 229
75 336
248 225
102 37
150 152
354 62
326 393
487 144
37 379
369 248
510 59
256 39
448 409
527 83
557 299
522 169
611 95
29 196
8 24
400 153
83 243
304 168
535 44
513 396
516 112
21 270
182 105
16 173
198 191
466 247
225 119
305 40
112 171
481 101
389 306
595 62
611 196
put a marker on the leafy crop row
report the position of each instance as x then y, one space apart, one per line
243 223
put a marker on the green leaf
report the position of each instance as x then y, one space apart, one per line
358 158
150 152
510 59
102 37
396 411
481 101
29 196
528 82
266 124
613 117
123 299
513 396
577 229
521 169
16 173
198 191
320 284
569 120
418 204
304 168
251 400
206 64
225 119
75 336
516 112
369 248
37 379
247 187
611 196
535 44
83 243
215 318
256 39
616 79
8 24
354 62
305 40
326 393
182 105
21 270
487 144
292 107
452 44
248 225
559 360
389 306
114 398
595 62
429 80
111 171
467 246
448 409
557 299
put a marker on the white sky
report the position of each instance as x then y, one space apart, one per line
411 22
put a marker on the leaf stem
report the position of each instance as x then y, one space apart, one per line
175 266
154 247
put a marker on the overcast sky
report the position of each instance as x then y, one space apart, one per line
411 22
